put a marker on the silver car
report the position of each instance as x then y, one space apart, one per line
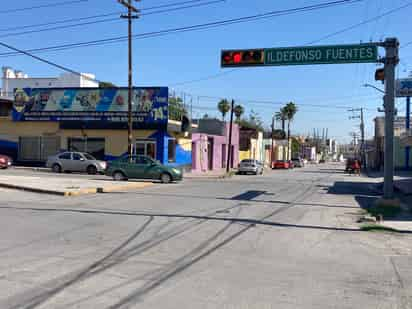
250 166
75 162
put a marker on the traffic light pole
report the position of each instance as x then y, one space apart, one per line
272 141
391 59
229 149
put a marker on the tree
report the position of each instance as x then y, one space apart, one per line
290 111
224 107
281 116
107 85
252 122
176 108
239 111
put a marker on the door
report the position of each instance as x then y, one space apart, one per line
65 161
210 153
79 163
141 168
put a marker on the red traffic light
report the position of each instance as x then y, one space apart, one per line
239 58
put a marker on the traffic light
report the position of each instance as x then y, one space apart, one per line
242 58
380 74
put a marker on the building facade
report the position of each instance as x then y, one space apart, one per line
210 143
251 144
42 122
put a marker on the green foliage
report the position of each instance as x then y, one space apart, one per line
224 107
176 108
238 111
107 85
377 228
295 147
252 122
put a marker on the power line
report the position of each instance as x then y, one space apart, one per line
109 19
204 26
41 6
346 29
367 21
56 65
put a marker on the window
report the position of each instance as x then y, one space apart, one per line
142 160
93 146
89 157
65 156
146 147
77 157
171 150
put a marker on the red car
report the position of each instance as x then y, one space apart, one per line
5 161
280 164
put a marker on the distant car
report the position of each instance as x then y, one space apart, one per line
280 164
142 167
70 161
5 161
250 166
321 161
298 162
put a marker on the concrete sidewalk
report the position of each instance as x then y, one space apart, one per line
65 186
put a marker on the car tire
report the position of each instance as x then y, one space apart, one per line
91 170
165 178
119 176
56 168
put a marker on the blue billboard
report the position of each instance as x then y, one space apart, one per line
149 104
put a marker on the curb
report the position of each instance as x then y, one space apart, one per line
114 188
106 189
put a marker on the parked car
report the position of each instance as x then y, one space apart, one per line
250 166
298 162
280 164
321 161
75 162
5 161
142 167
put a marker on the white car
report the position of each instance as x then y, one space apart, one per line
250 166
75 162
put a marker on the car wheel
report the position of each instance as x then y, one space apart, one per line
56 168
91 170
165 178
119 176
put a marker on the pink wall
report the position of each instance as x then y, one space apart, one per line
200 161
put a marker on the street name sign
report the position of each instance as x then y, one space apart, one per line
404 87
305 55
321 54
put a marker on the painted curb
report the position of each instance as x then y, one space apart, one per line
125 187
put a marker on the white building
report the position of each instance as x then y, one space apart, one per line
13 79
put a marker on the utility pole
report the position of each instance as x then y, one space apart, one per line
229 149
362 131
272 142
408 126
390 61
131 10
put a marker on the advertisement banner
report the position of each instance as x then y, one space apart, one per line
149 104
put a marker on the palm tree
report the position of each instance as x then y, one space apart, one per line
224 107
281 116
239 111
290 111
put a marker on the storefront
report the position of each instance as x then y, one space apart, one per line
43 122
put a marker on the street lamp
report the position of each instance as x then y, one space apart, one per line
372 86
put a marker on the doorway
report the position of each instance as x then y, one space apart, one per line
210 153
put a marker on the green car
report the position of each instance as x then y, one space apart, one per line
142 167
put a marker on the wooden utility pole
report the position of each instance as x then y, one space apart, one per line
131 14
229 150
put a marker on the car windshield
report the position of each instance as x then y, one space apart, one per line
88 156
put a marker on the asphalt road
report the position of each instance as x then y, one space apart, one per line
287 239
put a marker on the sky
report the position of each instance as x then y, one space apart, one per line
189 62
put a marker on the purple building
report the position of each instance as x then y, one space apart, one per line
210 146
